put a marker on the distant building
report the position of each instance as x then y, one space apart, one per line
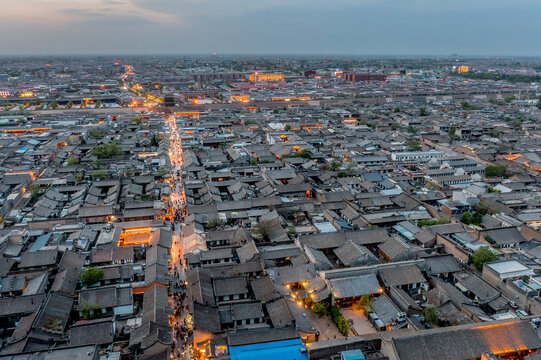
364 77
169 100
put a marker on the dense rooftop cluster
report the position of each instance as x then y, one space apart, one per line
309 217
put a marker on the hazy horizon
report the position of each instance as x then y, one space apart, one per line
494 28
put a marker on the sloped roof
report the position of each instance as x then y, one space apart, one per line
401 275
467 342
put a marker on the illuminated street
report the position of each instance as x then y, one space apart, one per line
178 204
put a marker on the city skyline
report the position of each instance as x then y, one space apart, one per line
369 27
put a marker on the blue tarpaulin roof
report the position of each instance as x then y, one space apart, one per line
40 242
353 355
282 350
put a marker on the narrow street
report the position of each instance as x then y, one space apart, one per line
178 204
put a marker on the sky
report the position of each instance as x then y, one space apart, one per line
338 27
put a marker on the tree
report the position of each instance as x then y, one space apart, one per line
396 110
138 120
162 172
495 171
342 325
72 161
477 218
492 189
214 223
96 175
53 105
306 154
154 141
287 127
107 150
90 276
69 105
98 104
483 255
467 106
263 229
146 197
423 112
79 177
466 218
35 191
412 130
509 99
253 161
319 309
413 146
292 230
96 165
95 134
340 321
89 310
430 315
335 164
365 303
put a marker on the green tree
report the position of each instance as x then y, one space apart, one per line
396 110
97 175
107 150
89 311
287 127
79 177
483 255
53 105
90 276
306 154
162 172
431 222
72 161
423 112
95 134
509 99
138 120
477 218
35 191
495 171
69 105
466 218
342 325
319 309
253 161
96 165
365 303
412 130
146 197
413 146
430 315
335 164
